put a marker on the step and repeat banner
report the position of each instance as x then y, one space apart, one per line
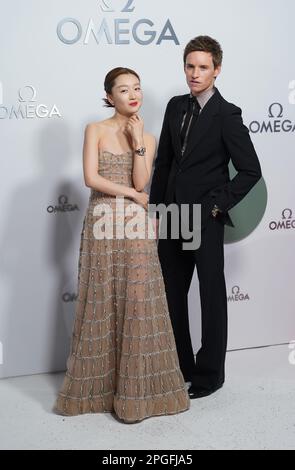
54 57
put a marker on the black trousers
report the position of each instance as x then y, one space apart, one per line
207 371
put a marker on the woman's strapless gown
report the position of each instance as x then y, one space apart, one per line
123 356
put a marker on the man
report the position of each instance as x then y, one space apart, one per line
201 133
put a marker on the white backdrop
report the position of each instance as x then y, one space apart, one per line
54 57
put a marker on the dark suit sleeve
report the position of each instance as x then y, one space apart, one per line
244 158
163 161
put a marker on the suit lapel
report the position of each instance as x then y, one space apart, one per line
203 123
179 113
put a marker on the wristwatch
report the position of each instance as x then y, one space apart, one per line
140 151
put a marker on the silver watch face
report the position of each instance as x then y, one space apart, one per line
141 151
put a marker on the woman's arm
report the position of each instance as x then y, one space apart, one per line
142 166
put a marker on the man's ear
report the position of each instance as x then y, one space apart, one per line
217 71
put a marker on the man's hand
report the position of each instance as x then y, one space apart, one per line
215 210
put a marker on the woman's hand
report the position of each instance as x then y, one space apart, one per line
141 198
134 129
156 228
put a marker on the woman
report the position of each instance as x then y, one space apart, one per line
123 356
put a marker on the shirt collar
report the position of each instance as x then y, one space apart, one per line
204 96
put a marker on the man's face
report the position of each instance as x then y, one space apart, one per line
199 71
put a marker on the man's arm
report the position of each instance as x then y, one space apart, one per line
244 158
163 162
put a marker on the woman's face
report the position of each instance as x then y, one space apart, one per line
126 94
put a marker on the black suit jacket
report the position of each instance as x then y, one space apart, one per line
201 175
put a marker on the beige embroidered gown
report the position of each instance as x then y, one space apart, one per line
123 356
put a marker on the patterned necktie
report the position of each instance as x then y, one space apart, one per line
191 116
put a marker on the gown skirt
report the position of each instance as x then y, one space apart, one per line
123 357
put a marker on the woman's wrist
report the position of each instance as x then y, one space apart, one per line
132 193
138 143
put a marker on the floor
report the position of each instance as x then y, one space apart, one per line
254 410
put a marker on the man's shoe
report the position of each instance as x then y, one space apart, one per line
195 392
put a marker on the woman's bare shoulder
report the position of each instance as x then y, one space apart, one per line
148 137
98 126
